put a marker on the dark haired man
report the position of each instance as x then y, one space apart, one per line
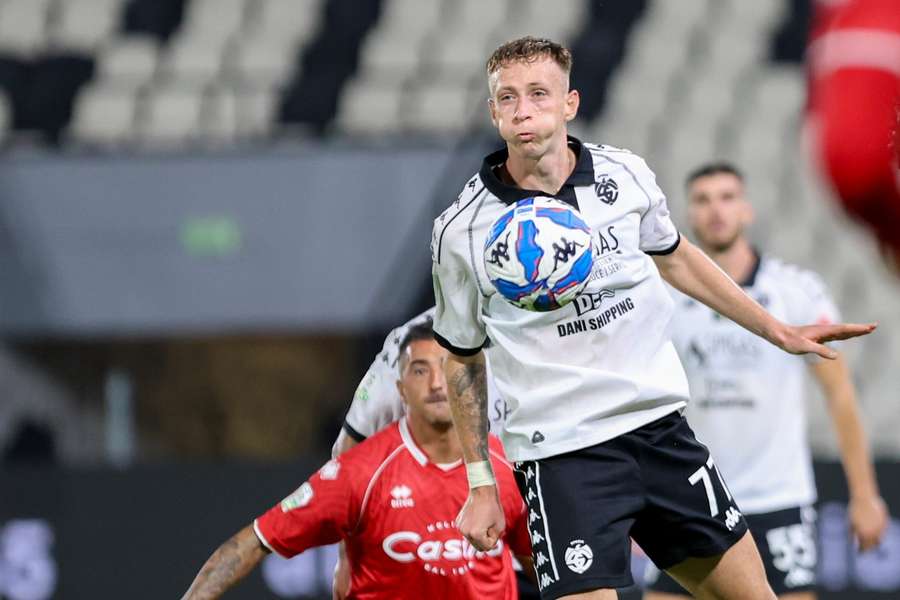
748 398
392 500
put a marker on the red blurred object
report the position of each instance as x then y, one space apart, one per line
854 104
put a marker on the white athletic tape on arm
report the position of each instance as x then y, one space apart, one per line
480 474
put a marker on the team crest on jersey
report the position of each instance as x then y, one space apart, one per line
579 556
607 190
300 498
401 497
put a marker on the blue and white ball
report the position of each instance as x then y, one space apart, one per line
539 254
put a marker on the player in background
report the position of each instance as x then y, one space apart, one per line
748 397
376 404
594 424
854 109
392 499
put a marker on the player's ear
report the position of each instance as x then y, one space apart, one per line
749 213
492 106
573 99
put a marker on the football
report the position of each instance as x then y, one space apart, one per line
539 254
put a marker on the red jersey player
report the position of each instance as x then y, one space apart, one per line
393 499
854 61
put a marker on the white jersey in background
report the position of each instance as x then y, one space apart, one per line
748 397
377 402
598 367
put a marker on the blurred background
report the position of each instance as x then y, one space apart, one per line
212 212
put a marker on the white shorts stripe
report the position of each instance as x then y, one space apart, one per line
537 482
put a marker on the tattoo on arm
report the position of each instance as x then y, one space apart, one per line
468 401
230 563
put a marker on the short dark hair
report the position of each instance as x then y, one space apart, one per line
529 49
713 168
416 333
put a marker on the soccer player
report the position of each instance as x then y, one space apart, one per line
392 499
594 421
748 401
376 404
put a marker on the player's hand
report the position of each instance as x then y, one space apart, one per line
810 339
868 520
340 586
481 519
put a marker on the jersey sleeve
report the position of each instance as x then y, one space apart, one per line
376 402
658 233
323 510
457 319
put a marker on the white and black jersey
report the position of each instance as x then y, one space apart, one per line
598 367
748 397
377 402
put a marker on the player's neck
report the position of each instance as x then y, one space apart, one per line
439 445
737 260
547 173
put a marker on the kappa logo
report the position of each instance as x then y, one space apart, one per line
732 518
579 556
300 498
401 497
607 190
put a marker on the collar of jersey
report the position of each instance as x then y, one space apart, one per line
410 443
509 194
751 277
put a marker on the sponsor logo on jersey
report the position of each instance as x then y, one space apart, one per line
607 190
300 498
453 556
579 556
537 438
598 322
330 470
401 497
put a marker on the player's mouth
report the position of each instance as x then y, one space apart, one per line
436 399
526 136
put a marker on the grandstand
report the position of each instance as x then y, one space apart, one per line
215 89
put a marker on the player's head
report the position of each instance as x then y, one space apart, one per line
718 211
530 100
422 384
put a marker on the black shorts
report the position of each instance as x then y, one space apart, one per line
787 544
657 484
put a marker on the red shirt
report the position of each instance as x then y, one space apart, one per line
396 512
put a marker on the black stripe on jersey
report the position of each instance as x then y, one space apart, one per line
445 343
353 433
447 224
472 245
665 251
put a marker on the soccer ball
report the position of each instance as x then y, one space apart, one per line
539 254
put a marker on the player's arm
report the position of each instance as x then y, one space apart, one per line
481 519
868 514
230 563
690 271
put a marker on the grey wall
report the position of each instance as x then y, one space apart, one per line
301 239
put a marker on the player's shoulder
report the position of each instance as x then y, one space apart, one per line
451 222
619 156
785 274
369 455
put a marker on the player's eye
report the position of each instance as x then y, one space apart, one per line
506 97
539 93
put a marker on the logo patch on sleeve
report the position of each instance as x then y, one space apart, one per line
330 470
300 498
